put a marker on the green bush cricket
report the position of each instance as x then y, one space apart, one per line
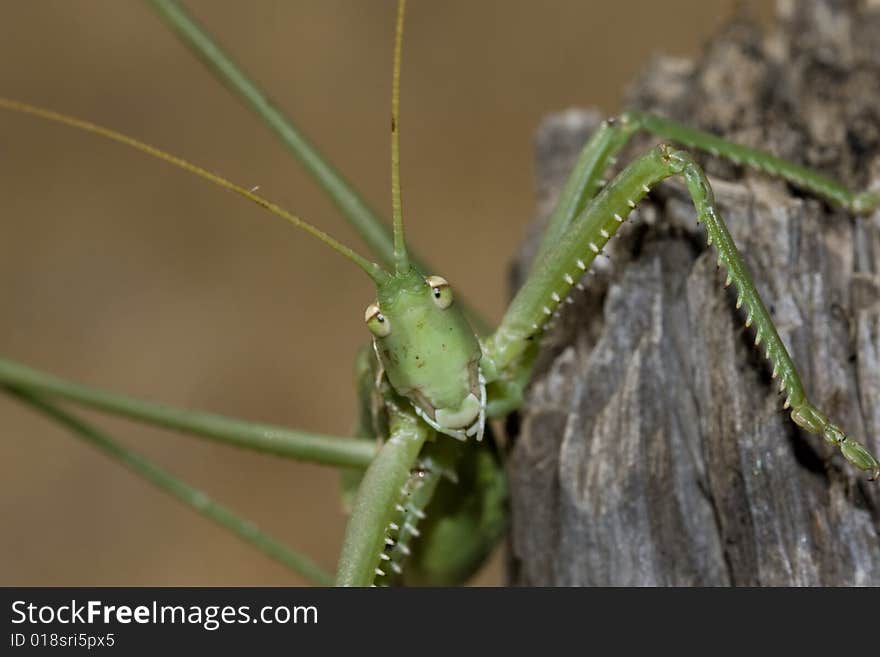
505 356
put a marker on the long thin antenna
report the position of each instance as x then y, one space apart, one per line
401 258
372 269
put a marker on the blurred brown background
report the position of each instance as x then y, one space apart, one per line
124 273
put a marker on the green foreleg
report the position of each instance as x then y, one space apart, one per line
583 183
466 516
553 277
417 491
799 176
585 179
598 154
372 524
533 308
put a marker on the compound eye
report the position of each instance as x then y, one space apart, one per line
376 321
440 290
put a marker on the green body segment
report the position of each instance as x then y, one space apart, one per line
431 354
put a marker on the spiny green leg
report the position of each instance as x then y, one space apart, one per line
799 176
166 482
269 439
372 522
585 179
583 183
553 276
453 500
416 494
803 412
462 497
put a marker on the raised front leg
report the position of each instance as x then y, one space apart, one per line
599 153
376 520
857 202
557 271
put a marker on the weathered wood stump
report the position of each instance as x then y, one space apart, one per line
653 449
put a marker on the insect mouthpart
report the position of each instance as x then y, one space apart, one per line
469 420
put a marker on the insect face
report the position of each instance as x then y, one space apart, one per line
429 351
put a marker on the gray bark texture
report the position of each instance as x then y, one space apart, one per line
653 449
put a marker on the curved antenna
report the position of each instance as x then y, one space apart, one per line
401 259
372 269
